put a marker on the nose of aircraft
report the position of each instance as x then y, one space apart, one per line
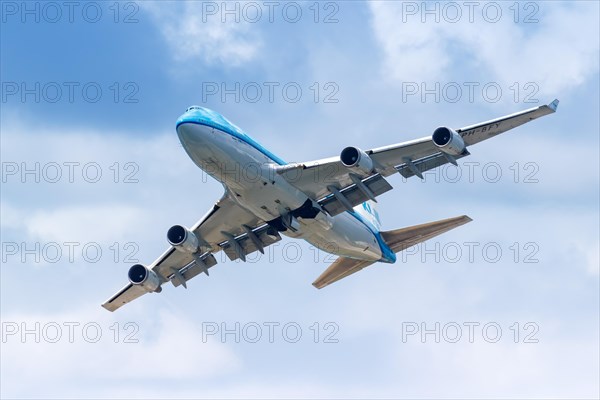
196 123
187 125
187 133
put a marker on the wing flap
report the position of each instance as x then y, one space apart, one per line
427 163
265 235
193 269
353 195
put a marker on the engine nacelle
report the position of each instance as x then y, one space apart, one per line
448 141
183 239
142 276
353 157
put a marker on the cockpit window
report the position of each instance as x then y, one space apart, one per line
193 108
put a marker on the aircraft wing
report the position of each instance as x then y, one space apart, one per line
227 227
338 188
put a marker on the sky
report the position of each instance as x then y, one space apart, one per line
93 175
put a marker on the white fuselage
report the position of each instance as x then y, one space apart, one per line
248 173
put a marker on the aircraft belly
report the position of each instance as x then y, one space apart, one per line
264 192
252 182
348 237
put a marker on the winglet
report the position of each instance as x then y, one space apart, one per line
554 105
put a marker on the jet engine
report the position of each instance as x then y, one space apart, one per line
142 276
183 239
353 157
448 141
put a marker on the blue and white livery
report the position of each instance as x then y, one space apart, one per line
330 203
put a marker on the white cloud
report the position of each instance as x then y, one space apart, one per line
503 369
99 346
550 53
591 249
194 32
62 225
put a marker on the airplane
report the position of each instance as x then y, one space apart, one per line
330 203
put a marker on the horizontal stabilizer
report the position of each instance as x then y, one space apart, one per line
402 239
398 240
341 268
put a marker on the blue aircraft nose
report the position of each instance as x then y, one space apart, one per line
186 132
187 124
192 115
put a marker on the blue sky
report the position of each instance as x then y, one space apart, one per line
374 74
